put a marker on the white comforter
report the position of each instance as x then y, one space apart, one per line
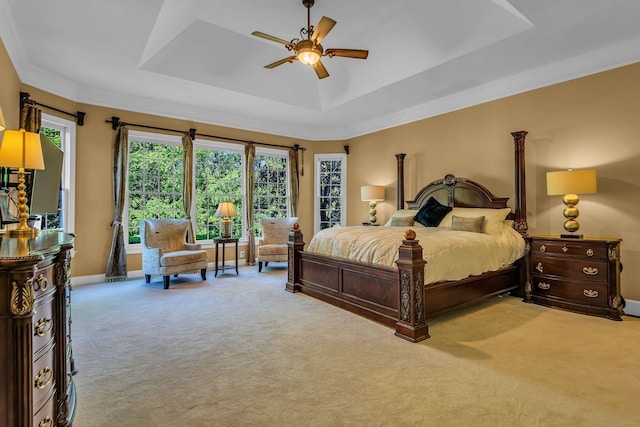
450 255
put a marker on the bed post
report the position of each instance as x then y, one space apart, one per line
520 221
411 324
294 246
400 180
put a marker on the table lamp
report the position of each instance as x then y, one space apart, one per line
225 210
21 149
372 194
569 184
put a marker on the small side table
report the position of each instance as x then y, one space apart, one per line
223 266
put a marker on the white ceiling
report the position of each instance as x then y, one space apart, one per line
197 59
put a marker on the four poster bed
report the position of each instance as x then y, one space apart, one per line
397 295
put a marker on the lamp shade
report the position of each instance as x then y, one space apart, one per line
572 182
372 193
225 209
21 149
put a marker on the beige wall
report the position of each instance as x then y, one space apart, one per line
591 122
588 122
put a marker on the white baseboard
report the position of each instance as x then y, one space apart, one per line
632 308
136 274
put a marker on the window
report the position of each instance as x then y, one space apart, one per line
62 133
271 186
154 181
330 191
219 177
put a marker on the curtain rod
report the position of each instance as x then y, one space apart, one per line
115 123
25 100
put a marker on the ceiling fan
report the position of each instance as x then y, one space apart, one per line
309 50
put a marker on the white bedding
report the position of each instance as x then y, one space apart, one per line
450 255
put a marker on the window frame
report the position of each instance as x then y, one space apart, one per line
316 187
283 153
155 138
208 144
67 129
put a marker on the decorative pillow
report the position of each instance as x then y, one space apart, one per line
432 213
467 224
493 218
402 213
406 221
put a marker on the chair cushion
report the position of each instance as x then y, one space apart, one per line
266 250
170 259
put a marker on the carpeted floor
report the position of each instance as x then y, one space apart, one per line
241 351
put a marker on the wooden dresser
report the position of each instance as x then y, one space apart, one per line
36 363
579 275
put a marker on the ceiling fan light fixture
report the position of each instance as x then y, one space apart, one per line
308 52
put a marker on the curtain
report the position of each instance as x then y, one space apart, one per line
117 263
30 118
294 181
187 182
250 158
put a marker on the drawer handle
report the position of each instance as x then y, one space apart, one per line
590 271
543 248
42 327
44 377
540 268
48 421
543 285
590 293
565 249
41 283
589 252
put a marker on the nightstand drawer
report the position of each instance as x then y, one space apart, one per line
577 292
592 270
589 250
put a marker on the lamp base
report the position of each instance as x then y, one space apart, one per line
26 232
572 236
225 228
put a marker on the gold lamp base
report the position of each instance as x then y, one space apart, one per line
571 212
23 229
28 232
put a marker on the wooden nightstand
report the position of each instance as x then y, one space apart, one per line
579 275
223 266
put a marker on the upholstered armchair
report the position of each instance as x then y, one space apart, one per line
165 250
272 247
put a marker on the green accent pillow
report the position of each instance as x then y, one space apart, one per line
467 224
432 213
401 221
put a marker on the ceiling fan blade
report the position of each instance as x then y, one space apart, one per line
280 62
347 53
322 29
268 37
320 70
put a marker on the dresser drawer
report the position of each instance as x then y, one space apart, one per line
45 416
592 270
43 281
578 292
43 377
42 324
579 249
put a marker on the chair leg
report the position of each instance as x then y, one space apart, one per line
147 278
259 266
165 279
203 273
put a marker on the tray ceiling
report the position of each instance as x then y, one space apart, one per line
197 59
